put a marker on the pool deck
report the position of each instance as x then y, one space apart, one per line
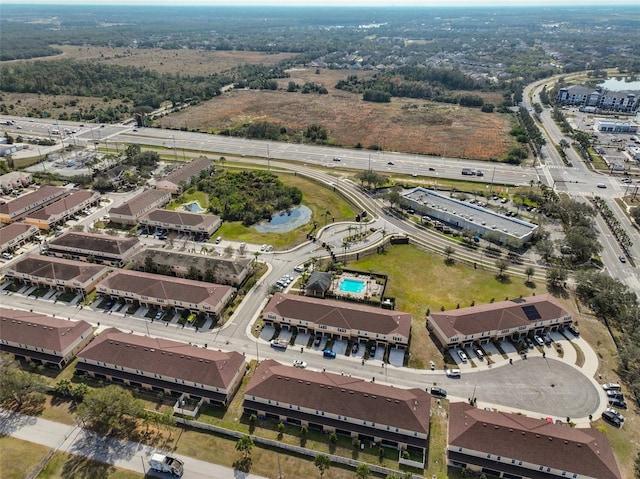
371 288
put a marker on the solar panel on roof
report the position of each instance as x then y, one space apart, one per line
531 312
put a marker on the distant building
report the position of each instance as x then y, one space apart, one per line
15 180
95 248
370 412
16 209
599 98
216 269
513 446
164 366
607 125
58 273
339 320
129 213
59 211
184 175
15 235
485 323
40 338
464 215
166 292
181 221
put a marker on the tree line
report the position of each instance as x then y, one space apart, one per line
248 196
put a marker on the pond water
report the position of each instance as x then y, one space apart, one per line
285 220
193 207
619 84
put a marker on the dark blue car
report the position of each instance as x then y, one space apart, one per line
327 353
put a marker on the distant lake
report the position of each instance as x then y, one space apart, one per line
619 84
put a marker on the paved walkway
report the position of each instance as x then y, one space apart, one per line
123 454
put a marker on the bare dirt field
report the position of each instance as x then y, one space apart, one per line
409 125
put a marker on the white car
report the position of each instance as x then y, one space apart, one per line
463 356
611 387
298 363
7 255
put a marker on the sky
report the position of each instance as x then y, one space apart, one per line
338 3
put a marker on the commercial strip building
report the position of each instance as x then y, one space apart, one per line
40 338
513 446
129 213
59 211
215 269
371 412
599 98
155 290
339 320
464 215
183 176
58 273
607 125
95 248
164 366
15 210
15 235
181 221
511 319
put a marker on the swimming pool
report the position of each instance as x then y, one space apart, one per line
351 286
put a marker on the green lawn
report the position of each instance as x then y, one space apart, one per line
64 465
421 281
18 458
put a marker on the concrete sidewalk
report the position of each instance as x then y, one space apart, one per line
123 454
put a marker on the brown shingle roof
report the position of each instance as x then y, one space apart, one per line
99 243
165 287
187 171
181 218
165 357
40 331
340 314
31 199
343 395
138 203
64 204
576 450
496 316
56 268
218 264
14 230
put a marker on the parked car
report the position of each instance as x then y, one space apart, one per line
452 373
611 418
218 239
538 340
463 356
438 392
327 353
355 348
6 255
612 393
573 330
159 314
611 386
372 350
479 353
299 363
616 413
617 402
529 342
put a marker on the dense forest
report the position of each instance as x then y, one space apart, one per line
248 196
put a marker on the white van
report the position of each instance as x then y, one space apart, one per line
453 373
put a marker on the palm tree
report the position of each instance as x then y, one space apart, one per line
326 214
244 445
